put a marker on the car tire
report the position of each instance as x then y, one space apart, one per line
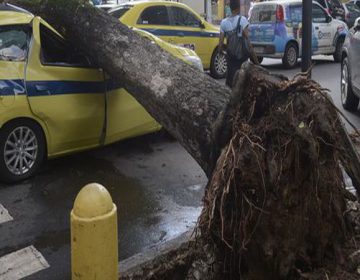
338 49
291 55
218 65
349 100
22 150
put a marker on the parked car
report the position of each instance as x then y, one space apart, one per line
352 12
334 8
54 101
276 31
176 23
350 69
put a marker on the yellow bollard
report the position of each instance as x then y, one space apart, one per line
94 243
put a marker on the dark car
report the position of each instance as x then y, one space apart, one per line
334 8
352 12
350 69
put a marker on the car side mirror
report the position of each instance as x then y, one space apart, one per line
328 18
202 25
357 24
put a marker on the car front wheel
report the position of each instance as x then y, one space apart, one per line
22 147
348 99
218 66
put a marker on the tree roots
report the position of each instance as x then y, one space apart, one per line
274 207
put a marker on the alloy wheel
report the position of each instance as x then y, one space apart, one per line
20 150
220 64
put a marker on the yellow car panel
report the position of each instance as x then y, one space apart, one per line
70 100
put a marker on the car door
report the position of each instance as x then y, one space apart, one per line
125 116
189 31
64 91
323 30
354 59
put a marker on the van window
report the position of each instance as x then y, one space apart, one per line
14 40
295 14
319 15
263 14
57 51
157 15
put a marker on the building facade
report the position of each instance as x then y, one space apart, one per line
215 10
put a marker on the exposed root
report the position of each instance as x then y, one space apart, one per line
275 203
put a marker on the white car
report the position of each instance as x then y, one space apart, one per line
276 31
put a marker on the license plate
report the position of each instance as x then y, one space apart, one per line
259 49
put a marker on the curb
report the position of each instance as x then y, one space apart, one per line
138 266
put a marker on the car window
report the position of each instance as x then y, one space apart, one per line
119 12
183 17
295 14
319 15
57 51
157 15
14 41
263 14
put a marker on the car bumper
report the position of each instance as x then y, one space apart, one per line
264 50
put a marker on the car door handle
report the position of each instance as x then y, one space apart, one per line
317 28
42 89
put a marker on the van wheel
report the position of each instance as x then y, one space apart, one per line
22 150
338 49
291 55
348 99
218 65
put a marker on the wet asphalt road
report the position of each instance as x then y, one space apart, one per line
154 182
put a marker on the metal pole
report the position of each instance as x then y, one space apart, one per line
306 35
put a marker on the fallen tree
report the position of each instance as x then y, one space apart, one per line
275 202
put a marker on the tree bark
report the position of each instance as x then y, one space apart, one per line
183 100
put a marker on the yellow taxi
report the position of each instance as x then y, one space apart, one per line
178 24
54 101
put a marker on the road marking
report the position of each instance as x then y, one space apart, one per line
21 263
4 215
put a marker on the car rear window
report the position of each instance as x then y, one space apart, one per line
119 12
14 41
294 14
263 14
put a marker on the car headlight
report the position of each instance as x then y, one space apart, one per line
196 61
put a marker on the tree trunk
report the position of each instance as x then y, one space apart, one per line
183 100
